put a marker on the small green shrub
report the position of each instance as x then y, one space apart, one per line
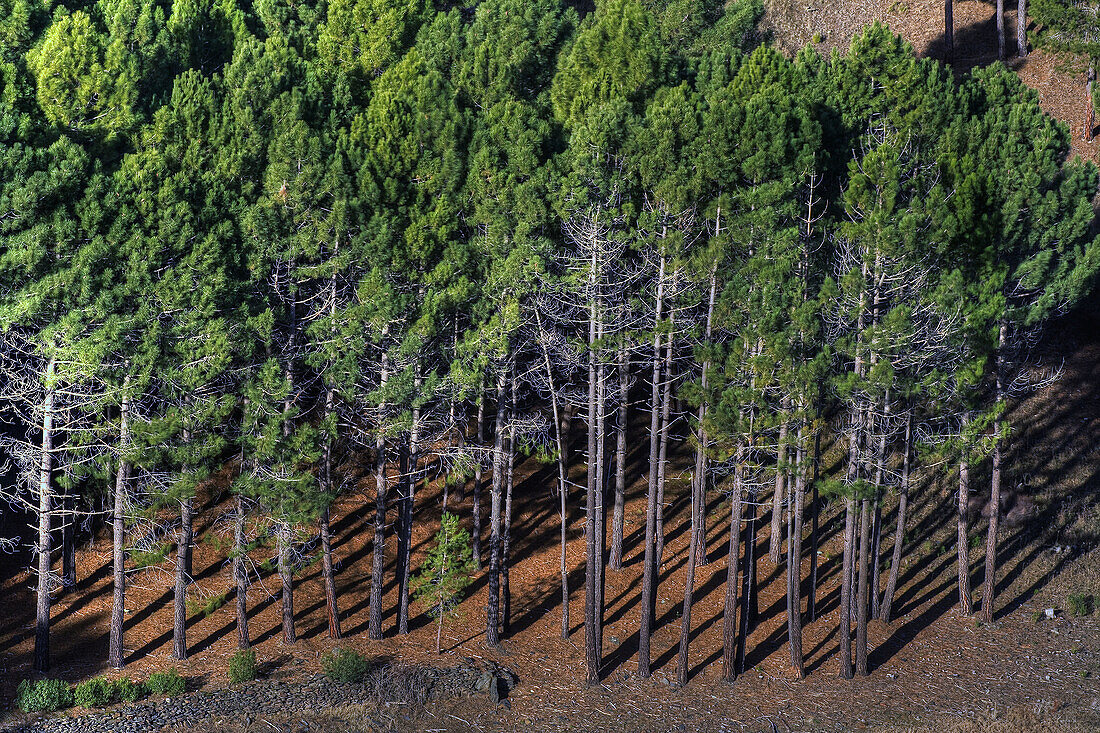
345 665
97 692
242 666
43 696
166 683
1079 604
203 608
818 37
128 690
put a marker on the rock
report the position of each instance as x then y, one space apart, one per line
1048 613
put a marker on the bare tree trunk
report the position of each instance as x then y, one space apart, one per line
240 574
989 589
794 563
476 532
283 540
328 484
601 489
563 482
775 539
899 532
966 606
689 581
183 579
948 30
1001 29
115 652
329 577
381 490
876 525
649 574
662 460
592 558
811 606
620 460
1090 108
506 543
1021 28
733 558
863 587
845 634
45 501
408 505
748 613
68 542
492 620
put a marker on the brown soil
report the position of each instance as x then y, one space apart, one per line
794 24
932 669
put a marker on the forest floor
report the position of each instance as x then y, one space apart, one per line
932 668
794 23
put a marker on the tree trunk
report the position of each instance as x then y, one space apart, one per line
475 535
649 575
328 486
1001 29
1021 28
492 620
733 557
845 629
329 577
662 459
240 574
118 535
183 579
68 542
748 615
381 490
592 560
601 492
287 581
863 587
948 30
1090 108
775 539
689 581
899 532
794 563
815 502
408 507
45 501
876 523
620 460
506 542
966 606
989 589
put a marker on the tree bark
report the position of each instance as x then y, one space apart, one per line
492 620
989 588
748 614
68 542
620 460
287 581
794 563
815 503
649 575
863 587
966 605
45 502
775 539
845 629
1021 28
506 542
899 532
948 30
328 484
662 453
408 506
118 535
689 581
240 574
381 490
329 577
592 559
183 579
1001 29
733 558
1090 108
475 535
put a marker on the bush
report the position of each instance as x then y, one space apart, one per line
166 683
43 696
1080 604
242 666
128 690
97 692
344 665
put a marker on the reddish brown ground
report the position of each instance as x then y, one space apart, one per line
921 22
932 669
